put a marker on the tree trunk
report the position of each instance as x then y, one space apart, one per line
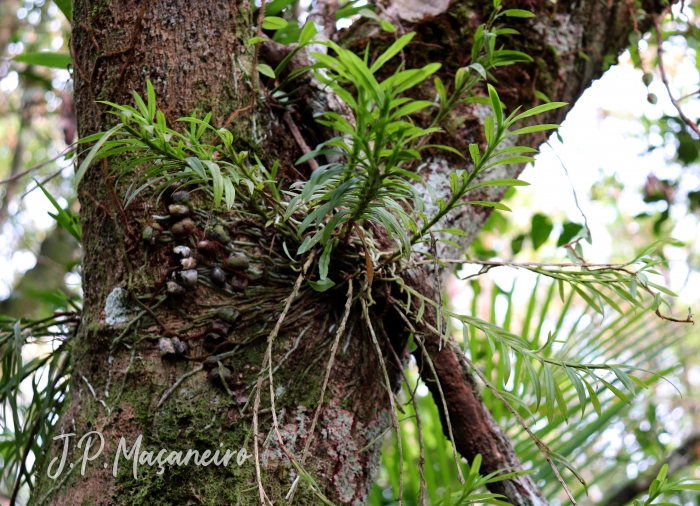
197 57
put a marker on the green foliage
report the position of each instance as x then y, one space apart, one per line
662 486
474 482
66 8
378 150
371 175
201 156
64 217
442 485
45 59
372 180
28 426
541 229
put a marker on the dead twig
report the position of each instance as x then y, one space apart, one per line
36 167
299 139
662 70
235 114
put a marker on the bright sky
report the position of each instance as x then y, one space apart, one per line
600 133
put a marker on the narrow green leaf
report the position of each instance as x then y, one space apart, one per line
46 59
517 13
307 33
217 181
594 398
440 88
533 129
662 289
624 379
499 182
550 392
496 106
509 160
539 109
229 192
151 96
588 299
578 386
274 23
387 26
93 152
479 68
66 220
324 261
485 203
489 131
474 152
618 393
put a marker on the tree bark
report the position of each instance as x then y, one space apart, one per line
197 57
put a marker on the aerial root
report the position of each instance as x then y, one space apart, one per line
394 416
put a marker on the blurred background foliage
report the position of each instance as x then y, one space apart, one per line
617 452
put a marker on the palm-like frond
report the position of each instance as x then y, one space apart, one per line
577 333
639 340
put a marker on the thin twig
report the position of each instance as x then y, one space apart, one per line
299 139
177 384
37 167
662 70
256 439
235 114
573 188
42 183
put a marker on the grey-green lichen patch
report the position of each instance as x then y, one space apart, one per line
294 433
117 307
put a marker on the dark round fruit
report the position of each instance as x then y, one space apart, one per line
238 284
206 248
181 196
218 276
183 228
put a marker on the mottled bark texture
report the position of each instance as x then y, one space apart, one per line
196 55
